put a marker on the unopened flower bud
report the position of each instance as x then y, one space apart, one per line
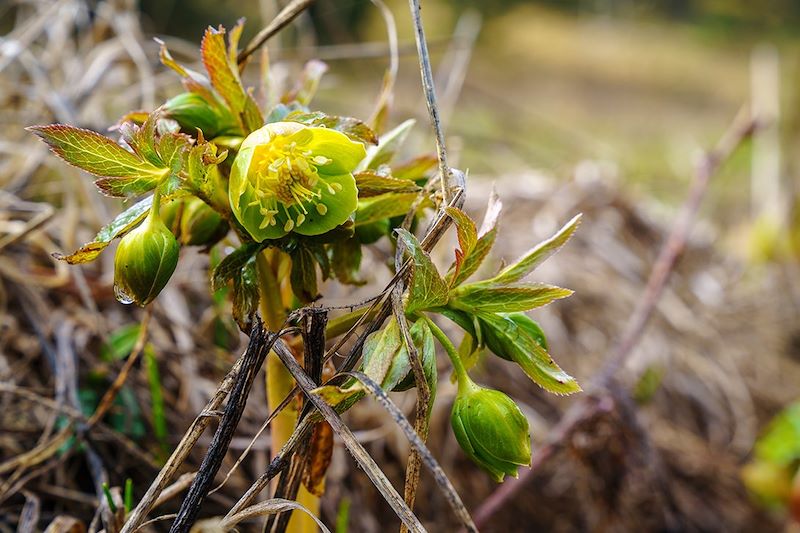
199 224
191 111
145 260
491 430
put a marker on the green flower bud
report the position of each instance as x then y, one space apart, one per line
192 111
145 260
491 430
199 224
288 177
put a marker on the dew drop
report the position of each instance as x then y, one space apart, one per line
121 296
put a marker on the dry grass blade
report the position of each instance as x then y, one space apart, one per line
283 18
268 507
181 451
442 481
358 452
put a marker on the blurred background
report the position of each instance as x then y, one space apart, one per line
602 107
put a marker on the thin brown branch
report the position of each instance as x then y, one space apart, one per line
430 94
287 15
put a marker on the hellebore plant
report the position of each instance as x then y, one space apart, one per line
284 197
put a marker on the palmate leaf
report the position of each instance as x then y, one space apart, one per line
427 288
121 172
220 63
507 298
536 255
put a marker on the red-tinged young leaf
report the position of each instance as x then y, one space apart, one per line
467 239
224 75
307 85
417 168
536 256
386 206
474 260
506 298
506 337
388 146
352 127
96 154
371 184
427 288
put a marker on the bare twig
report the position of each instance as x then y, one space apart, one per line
287 14
430 95
260 344
740 129
181 451
358 452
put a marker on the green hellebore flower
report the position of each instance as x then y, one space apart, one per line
491 430
145 260
290 177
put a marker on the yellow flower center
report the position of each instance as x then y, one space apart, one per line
284 175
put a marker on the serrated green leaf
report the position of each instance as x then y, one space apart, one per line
371 184
96 154
415 169
303 276
509 340
122 224
224 74
245 295
427 288
507 298
467 239
346 261
423 340
308 83
388 146
352 127
537 255
386 206
380 354
231 266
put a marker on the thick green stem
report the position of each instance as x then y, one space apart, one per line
464 381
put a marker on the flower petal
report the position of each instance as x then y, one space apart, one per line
344 154
338 206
